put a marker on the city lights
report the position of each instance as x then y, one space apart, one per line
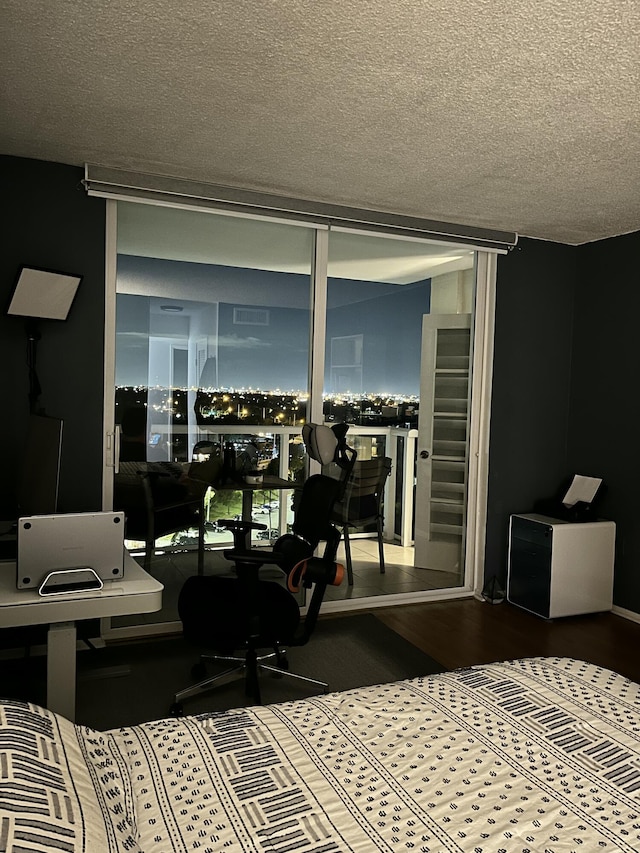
250 407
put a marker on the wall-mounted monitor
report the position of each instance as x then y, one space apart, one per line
40 466
43 294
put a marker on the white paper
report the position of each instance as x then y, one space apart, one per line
581 489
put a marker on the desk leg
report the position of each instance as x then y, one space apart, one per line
247 513
61 669
247 505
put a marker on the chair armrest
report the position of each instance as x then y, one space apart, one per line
240 531
258 557
244 526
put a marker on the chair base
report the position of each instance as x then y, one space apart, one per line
247 668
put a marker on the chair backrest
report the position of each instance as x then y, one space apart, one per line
206 465
313 513
362 498
314 502
320 442
328 446
204 450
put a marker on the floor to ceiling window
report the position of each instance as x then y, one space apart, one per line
212 339
216 338
380 378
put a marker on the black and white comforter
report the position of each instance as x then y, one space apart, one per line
541 754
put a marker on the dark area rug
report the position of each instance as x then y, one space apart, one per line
130 683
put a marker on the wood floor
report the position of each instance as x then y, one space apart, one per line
466 632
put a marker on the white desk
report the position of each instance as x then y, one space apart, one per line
137 592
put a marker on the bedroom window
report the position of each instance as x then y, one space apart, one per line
228 326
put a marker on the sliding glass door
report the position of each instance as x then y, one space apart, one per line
227 329
212 347
382 294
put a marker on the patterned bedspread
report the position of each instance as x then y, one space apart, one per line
540 754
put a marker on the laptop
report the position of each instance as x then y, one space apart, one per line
68 542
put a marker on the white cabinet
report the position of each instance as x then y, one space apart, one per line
560 568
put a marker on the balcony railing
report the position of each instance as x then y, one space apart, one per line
398 443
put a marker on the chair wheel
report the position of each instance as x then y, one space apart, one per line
176 710
199 671
282 661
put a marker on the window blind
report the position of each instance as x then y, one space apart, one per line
108 182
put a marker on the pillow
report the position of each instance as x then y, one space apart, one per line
50 797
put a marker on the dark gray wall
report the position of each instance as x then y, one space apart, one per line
605 403
50 222
564 401
531 385
565 359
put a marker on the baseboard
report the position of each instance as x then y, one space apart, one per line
378 602
631 615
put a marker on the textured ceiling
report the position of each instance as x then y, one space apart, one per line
520 116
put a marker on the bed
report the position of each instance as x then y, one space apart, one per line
538 754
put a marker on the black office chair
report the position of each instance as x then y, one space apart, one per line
205 449
245 612
157 500
361 504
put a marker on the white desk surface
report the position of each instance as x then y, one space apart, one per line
136 592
